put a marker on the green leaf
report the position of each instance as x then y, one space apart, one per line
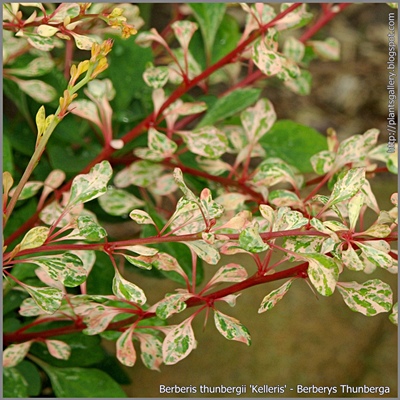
82 382
250 240
8 164
231 328
209 17
323 273
276 295
230 105
124 289
31 375
90 186
179 342
14 384
293 143
369 298
347 186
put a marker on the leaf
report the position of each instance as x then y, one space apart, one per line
28 191
140 173
229 273
378 231
47 298
207 141
90 229
38 90
66 268
347 186
64 10
179 342
178 176
15 353
156 77
231 328
294 49
90 186
377 257
250 240
258 120
229 105
58 349
119 202
141 217
35 237
172 304
14 384
184 31
301 84
272 298
209 16
140 262
293 143
295 19
394 315
37 67
323 273
281 198
322 162
82 382
166 262
40 42
369 298
328 49
351 260
204 250
126 352
151 351
160 143
86 109
46 30
124 289
267 60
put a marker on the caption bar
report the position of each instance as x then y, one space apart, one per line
391 126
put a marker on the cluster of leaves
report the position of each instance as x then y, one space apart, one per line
66 276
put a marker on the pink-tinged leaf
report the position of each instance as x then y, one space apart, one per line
229 273
354 207
231 248
188 108
34 237
231 328
250 240
238 222
53 181
230 299
258 120
139 249
58 349
172 304
92 185
184 31
15 353
179 342
328 50
272 298
87 110
369 298
164 185
126 352
295 19
268 61
124 289
165 262
145 39
96 316
351 260
141 217
178 176
205 251
47 298
47 280
322 162
294 49
141 262
151 350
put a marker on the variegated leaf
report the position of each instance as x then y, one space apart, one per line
268 61
92 185
378 231
151 351
119 202
37 67
250 240
300 85
86 109
126 353
184 31
47 298
205 251
38 90
58 349
258 120
322 162
369 298
139 249
90 229
282 198
347 186
172 304
141 262
124 289
378 257
179 342
140 173
354 206
141 217
294 49
15 353
272 298
394 315
35 237
231 328
328 49
323 273
29 190
351 260
64 10
295 19
229 273
156 77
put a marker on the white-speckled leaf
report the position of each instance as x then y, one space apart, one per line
141 262
276 295
394 315
258 120
124 289
172 304
90 186
151 350
378 257
71 10
323 273
29 190
165 262
378 231
268 61
119 202
300 85
179 342
178 176
37 67
184 31
328 49
40 42
351 260
369 298
231 328
83 42
47 298
250 240
294 49
38 90
140 173
141 217
354 207
229 273
90 229
156 77
126 353
15 353
86 109
322 162
58 349
205 251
